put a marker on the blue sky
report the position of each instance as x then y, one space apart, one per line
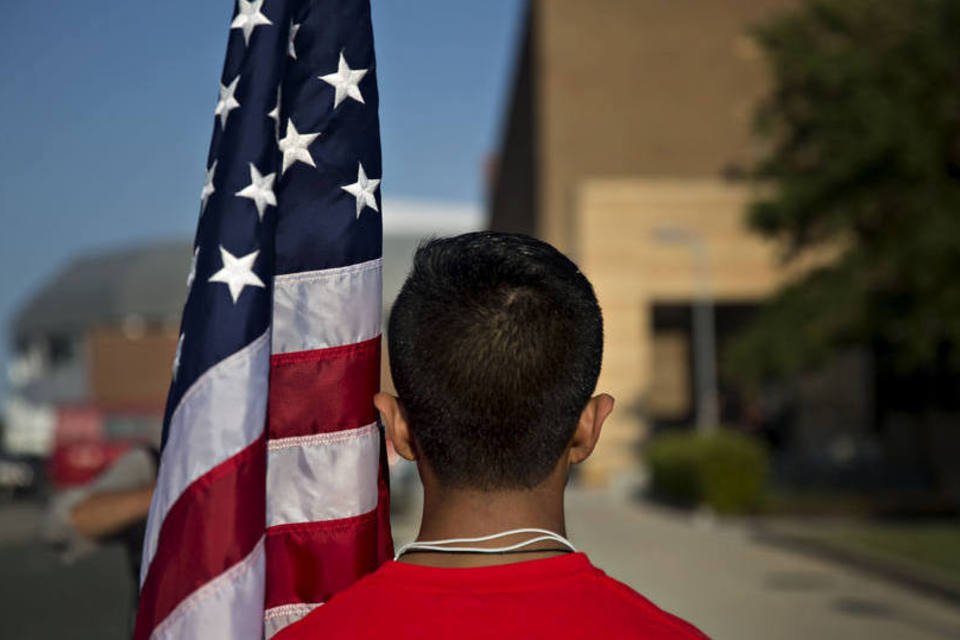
108 107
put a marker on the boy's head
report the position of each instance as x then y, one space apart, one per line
495 345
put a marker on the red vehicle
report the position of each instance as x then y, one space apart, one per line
86 441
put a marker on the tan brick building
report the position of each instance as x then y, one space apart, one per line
628 117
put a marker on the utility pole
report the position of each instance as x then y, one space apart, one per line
704 327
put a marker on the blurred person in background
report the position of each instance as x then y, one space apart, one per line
111 508
495 346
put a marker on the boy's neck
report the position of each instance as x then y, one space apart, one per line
470 514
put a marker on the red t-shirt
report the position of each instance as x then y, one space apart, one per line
553 598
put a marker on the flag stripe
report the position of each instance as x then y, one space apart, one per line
274 620
308 563
327 308
227 607
216 522
324 390
329 476
296 550
221 414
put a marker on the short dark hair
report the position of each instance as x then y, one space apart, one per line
495 346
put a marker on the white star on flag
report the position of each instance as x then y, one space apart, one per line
237 273
208 188
291 49
176 356
345 81
193 268
363 190
260 190
249 18
275 113
294 147
227 102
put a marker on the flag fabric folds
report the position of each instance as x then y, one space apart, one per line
272 491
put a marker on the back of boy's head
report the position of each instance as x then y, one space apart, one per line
495 347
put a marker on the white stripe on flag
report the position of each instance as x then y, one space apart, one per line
327 308
229 606
327 476
275 619
221 414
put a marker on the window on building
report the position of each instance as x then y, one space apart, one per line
60 349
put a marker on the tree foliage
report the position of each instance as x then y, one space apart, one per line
861 131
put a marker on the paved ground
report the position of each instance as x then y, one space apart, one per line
717 576
41 597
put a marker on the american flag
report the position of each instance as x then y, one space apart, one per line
272 489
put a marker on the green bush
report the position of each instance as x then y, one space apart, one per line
723 470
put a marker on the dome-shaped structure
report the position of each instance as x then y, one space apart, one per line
145 284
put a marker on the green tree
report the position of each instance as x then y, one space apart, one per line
861 131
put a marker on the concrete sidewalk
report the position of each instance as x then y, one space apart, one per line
732 586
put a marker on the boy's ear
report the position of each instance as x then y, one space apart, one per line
391 411
588 428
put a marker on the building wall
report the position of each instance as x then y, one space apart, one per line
615 238
641 88
513 193
131 371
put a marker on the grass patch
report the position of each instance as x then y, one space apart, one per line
932 547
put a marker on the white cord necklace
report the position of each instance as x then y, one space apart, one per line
441 545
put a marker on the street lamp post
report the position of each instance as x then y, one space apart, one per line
704 329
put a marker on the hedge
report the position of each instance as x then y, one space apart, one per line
723 469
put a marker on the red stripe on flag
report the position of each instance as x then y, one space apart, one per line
323 390
214 524
385 539
310 562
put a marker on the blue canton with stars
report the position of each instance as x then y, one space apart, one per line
293 173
